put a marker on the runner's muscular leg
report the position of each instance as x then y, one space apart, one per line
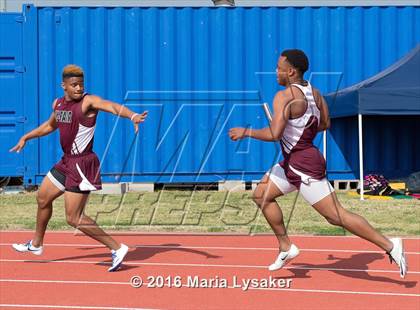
330 208
47 193
75 205
265 197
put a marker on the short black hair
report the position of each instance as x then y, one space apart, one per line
297 59
70 71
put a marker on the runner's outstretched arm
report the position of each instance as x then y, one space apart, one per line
272 133
44 129
97 103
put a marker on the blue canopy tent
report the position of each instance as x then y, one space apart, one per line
394 91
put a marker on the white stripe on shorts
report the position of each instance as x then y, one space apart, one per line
55 182
312 192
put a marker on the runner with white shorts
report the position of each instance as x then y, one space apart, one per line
300 112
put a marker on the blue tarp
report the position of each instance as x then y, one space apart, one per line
394 91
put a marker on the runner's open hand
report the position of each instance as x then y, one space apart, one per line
237 133
139 118
18 146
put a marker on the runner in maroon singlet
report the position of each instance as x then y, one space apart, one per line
300 112
77 174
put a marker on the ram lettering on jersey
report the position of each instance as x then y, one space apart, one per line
63 116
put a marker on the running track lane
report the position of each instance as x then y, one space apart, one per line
328 274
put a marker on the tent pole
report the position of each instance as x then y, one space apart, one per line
361 157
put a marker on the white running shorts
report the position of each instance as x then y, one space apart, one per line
312 191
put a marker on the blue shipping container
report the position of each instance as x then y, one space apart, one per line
199 71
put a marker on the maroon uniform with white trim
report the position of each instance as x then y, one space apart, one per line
302 160
303 166
79 164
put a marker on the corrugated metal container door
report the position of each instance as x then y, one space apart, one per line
11 98
18 89
201 70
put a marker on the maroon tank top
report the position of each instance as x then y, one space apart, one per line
76 129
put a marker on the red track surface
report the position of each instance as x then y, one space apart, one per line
330 273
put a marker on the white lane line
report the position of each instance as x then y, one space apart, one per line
67 307
64 281
210 248
200 265
336 292
229 287
192 234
